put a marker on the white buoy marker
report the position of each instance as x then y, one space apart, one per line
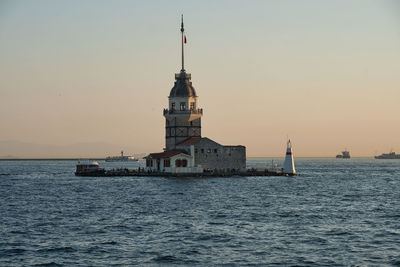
288 165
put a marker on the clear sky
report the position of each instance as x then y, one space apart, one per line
325 73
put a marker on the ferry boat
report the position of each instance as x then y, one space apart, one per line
88 168
345 155
391 155
121 158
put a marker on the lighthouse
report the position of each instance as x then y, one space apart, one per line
183 117
186 151
288 165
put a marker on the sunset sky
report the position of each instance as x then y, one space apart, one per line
324 73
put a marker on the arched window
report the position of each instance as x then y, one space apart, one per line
183 106
184 163
167 163
177 163
173 106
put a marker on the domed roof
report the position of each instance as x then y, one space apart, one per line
183 86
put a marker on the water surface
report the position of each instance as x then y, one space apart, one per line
337 212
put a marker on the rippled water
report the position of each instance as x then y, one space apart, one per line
338 212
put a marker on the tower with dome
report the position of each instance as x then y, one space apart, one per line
186 151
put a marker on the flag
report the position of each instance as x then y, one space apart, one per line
184 39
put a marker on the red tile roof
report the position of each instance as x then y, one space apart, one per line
189 141
166 154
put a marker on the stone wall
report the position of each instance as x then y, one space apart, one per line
179 128
211 155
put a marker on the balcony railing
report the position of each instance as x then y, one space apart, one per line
186 111
179 75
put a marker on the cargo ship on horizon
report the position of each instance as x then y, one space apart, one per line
391 155
345 155
121 158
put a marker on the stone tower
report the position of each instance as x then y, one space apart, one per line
183 117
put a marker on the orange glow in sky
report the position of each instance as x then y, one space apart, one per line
324 73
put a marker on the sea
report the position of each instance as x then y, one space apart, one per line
337 212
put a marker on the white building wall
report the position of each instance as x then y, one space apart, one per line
190 168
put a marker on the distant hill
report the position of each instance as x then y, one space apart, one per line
16 149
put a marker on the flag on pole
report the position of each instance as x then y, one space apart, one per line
184 39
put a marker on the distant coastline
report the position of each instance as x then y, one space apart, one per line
14 150
27 159
100 158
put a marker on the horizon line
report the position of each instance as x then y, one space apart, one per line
103 158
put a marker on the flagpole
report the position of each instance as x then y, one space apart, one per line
182 30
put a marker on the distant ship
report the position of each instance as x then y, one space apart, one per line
391 155
345 155
121 158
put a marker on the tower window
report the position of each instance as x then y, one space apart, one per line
183 106
173 106
192 106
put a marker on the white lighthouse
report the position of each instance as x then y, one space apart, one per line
288 165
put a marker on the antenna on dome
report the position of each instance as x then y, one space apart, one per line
183 41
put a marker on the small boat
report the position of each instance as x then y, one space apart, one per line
391 155
345 155
121 158
88 168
